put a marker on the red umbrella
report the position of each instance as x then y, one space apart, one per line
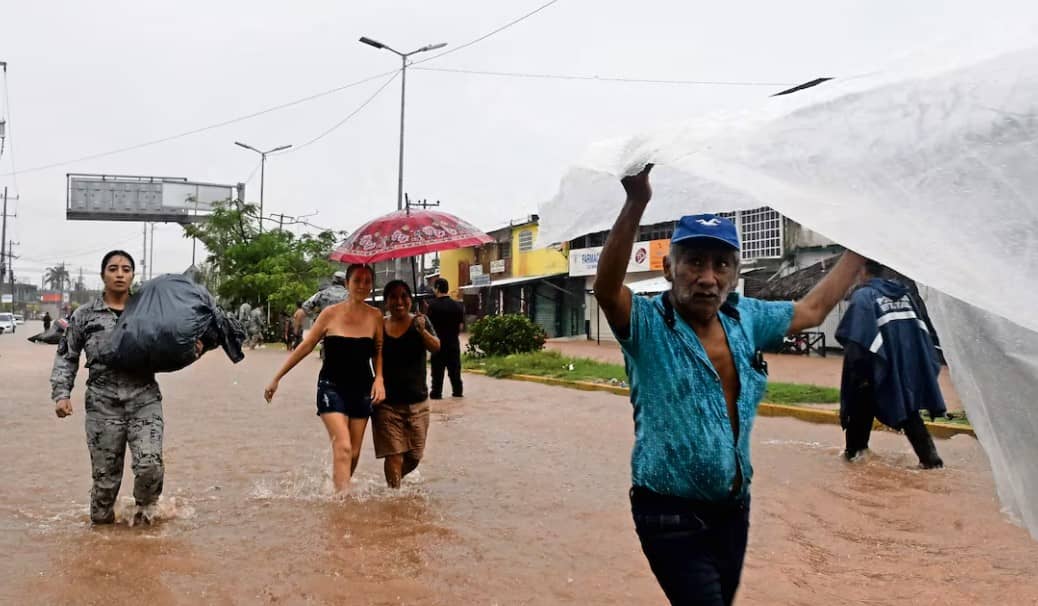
408 234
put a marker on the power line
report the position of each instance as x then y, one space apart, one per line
488 34
14 172
356 111
598 78
203 128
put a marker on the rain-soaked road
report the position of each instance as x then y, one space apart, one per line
521 500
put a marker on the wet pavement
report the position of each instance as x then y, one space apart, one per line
521 499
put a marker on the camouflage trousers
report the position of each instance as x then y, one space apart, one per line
112 424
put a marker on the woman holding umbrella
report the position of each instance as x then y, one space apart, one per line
346 388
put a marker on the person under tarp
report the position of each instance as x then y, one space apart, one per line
890 367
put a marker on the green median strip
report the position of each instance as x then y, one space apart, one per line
806 402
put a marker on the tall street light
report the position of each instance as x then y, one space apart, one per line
263 167
403 89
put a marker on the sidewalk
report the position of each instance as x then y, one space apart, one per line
810 370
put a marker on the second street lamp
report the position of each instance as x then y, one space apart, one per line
263 170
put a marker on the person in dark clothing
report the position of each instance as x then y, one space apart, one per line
890 367
400 424
448 318
46 321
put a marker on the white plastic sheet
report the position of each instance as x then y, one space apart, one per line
930 167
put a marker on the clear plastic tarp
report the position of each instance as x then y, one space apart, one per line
929 166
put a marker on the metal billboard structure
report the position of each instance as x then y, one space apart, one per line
92 197
149 200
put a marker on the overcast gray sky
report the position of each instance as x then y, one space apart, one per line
89 77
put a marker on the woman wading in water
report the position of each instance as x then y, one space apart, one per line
123 408
346 387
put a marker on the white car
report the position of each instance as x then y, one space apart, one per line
19 319
7 323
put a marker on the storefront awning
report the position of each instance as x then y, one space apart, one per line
474 288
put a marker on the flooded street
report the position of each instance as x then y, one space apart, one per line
521 499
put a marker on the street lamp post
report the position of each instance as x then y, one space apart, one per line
263 170
403 98
403 92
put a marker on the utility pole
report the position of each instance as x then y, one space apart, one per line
423 204
4 261
10 267
151 253
281 219
144 256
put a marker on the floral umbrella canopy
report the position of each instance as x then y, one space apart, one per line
408 234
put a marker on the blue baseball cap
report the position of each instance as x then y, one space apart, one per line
706 227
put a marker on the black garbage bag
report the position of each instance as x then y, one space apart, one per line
169 324
51 336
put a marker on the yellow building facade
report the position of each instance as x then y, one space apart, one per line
530 262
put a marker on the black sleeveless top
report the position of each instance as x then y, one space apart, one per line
403 367
347 363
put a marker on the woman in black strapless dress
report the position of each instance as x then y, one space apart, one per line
351 375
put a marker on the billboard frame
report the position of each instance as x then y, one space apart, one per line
182 216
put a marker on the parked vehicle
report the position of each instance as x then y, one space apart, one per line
7 323
19 319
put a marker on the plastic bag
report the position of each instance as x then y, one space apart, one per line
168 325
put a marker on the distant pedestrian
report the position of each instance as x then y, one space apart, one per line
46 321
890 367
255 327
298 321
448 318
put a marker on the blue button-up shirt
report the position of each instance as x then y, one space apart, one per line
684 445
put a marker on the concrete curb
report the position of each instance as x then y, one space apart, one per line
766 409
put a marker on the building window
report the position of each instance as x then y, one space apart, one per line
504 250
526 240
760 230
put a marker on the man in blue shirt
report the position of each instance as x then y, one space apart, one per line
694 357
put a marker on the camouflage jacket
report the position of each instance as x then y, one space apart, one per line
90 329
336 293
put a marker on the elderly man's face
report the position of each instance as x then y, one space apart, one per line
702 275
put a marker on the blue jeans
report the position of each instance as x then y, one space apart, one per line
695 549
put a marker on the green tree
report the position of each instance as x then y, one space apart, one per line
275 267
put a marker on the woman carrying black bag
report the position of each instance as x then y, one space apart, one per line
123 408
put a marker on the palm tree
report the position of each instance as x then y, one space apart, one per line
57 277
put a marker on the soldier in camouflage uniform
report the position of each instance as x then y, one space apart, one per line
336 293
122 408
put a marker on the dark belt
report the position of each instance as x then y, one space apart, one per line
644 497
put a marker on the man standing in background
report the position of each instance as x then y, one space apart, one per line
448 319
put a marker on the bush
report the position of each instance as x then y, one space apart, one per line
505 335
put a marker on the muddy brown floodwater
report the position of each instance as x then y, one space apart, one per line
522 499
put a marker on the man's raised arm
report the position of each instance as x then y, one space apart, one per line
813 309
612 295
